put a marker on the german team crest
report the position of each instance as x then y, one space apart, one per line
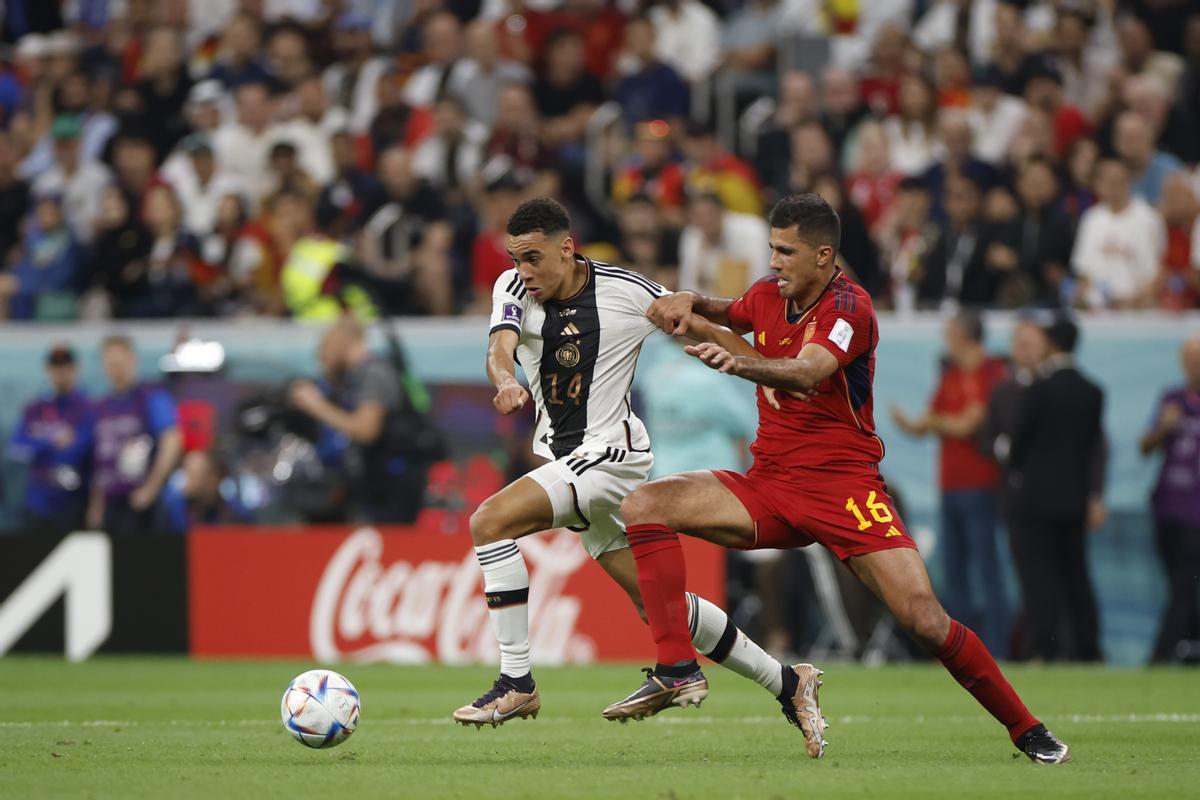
567 355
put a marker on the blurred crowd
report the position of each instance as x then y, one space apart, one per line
222 157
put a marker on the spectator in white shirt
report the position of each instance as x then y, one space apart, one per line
688 37
478 78
995 117
1119 244
442 40
721 252
1086 55
312 129
242 146
192 173
351 82
452 156
912 134
79 181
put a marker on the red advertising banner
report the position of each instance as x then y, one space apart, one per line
406 595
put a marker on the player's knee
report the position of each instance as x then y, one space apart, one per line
925 620
638 507
487 525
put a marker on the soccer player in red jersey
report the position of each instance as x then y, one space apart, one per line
815 476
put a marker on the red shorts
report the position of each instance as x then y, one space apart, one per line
846 508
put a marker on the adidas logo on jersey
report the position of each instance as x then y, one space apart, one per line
570 330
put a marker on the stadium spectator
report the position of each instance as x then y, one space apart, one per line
134 163
1119 245
407 241
1140 57
720 251
489 254
442 46
972 575
1057 474
239 56
1173 126
478 78
711 168
116 272
79 181
364 401
451 157
872 183
1044 91
1085 54
810 155
955 270
311 129
648 88
995 117
192 172
1175 506
163 83
173 269
881 77
647 243
516 137
54 438
348 201
204 109
912 137
1034 249
952 78
1133 141
956 139
566 93
842 107
76 97
906 236
288 56
40 283
352 80
797 103
243 144
1080 169
687 37
748 42
1178 285
288 265
14 198
653 171
137 445
857 254
1010 48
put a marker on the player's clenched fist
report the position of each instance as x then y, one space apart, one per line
510 397
672 313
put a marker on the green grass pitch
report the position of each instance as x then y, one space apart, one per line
171 728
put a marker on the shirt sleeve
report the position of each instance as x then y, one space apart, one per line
161 413
848 329
380 386
508 303
741 312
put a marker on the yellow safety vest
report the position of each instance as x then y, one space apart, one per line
304 273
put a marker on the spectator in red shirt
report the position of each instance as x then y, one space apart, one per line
1179 279
1044 91
489 258
971 571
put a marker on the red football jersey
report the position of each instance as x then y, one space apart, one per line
838 426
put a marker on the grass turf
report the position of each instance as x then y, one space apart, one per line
171 728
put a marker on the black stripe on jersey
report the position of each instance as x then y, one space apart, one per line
582 468
579 350
514 284
505 326
609 269
632 277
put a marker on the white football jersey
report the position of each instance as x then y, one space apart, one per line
579 356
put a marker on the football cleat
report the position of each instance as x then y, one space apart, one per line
803 709
499 704
1042 746
657 693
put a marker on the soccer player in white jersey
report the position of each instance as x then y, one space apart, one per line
577 327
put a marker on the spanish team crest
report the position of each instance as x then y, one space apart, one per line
567 355
809 330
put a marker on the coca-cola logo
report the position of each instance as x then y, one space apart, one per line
416 612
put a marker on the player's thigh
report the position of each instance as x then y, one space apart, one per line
696 503
519 509
898 577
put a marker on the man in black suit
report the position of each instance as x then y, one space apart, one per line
956 268
1056 472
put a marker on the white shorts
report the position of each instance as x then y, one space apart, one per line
586 489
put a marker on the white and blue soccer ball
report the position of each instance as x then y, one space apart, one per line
320 708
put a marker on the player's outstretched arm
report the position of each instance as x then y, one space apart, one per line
673 313
511 396
701 330
800 374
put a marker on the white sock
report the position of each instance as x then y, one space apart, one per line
506 587
715 635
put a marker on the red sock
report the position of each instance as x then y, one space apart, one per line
662 576
965 657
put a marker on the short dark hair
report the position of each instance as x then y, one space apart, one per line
815 219
910 183
1063 334
543 214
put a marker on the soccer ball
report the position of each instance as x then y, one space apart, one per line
320 708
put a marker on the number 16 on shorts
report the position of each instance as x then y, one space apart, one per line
879 510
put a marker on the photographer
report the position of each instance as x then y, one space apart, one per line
365 402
